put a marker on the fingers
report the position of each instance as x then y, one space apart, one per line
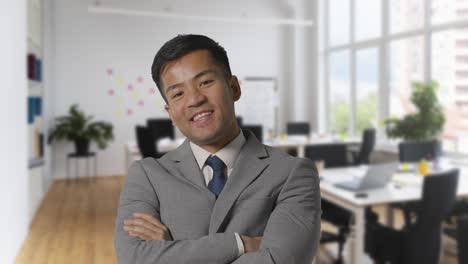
141 223
146 227
141 233
149 218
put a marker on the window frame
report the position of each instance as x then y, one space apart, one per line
382 44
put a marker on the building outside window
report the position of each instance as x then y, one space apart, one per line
375 49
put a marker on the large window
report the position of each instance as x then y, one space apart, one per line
406 65
367 19
339 92
367 78
377 48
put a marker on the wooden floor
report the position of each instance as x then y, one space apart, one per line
75 224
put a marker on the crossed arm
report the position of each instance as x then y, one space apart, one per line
291 234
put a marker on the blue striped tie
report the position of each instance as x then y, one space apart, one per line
219 177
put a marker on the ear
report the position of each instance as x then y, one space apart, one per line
166 107
235 88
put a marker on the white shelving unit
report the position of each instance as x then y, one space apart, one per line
35 89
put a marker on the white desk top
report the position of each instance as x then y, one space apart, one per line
296 141
403 187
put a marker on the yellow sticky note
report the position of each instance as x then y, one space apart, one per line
120 80
118 101
136 95
118 112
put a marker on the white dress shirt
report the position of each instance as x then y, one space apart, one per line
228 154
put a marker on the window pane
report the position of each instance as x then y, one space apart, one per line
368 19
406 15
367 78
406 66
338 21
448 10
450 70
339 92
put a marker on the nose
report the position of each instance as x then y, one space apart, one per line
196 98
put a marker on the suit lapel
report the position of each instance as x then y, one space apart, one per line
249 165
188 170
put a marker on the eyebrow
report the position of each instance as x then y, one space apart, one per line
198 75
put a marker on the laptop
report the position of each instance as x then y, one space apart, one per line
377 176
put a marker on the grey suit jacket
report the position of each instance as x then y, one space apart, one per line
268 193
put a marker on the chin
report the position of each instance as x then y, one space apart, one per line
207 138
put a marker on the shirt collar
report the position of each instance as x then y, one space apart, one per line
227 154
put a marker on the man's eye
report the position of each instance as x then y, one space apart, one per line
204 83
177 94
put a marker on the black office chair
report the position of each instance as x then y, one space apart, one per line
414 151
462 239
239 120
146 142
298 128
333 155
257 130
161 127
419 242
362 155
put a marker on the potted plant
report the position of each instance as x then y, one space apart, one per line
426 123
80 129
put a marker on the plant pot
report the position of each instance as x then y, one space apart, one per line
81 146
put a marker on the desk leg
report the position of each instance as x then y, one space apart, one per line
389 215
357 255
301 151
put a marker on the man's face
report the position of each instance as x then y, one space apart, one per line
200 99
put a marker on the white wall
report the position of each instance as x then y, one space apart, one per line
14 218
86 44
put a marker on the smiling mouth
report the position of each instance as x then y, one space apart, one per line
201 115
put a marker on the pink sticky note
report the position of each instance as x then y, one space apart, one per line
141 103
111 92
110 71
130 87
140 79
152 90
129 112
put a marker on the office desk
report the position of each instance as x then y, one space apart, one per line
295 142
395 191
300 142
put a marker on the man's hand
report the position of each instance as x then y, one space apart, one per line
251 244
146 227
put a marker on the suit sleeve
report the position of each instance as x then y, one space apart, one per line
138 195
293 229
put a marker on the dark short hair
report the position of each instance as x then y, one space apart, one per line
180 46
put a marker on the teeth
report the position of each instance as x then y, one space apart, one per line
197 117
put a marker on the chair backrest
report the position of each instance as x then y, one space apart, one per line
367 145
146 142
462 238
257 130
438 197
239 120
160 127
298 128
413 151
334 155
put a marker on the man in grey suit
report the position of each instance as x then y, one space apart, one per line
222 196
